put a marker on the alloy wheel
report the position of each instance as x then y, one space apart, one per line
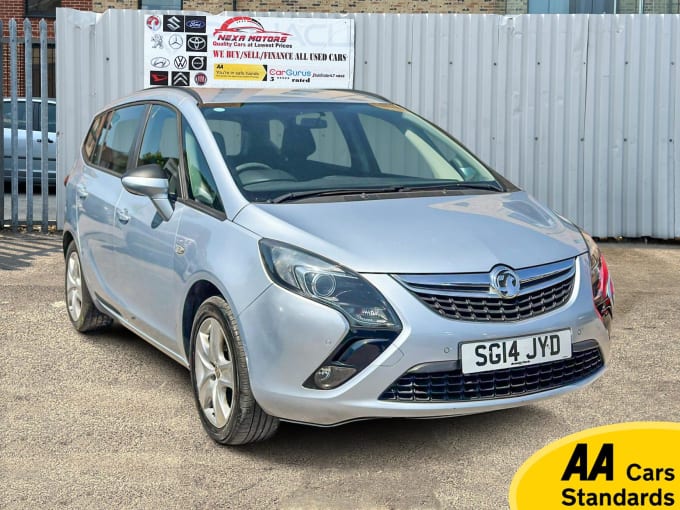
214 370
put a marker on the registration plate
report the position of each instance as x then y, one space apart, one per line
514 352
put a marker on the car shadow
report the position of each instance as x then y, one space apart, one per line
18 251
373 444
369 444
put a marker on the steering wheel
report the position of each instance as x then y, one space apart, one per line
252 165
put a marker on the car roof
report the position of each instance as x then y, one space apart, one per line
215 96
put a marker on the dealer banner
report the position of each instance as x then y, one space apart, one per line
222 51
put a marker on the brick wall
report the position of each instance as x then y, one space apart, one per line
16 9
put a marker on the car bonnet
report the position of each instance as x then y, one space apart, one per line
452 234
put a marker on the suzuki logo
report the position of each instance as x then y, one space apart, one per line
174 23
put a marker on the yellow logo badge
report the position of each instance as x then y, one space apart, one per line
628 465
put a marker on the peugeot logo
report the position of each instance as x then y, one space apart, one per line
175 41
160 62
196 43
505 282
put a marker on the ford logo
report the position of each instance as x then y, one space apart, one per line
195 23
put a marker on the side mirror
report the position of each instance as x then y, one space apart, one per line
152 182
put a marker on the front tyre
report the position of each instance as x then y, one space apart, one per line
81 309
219 377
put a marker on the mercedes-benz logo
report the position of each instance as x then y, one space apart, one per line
505 282
196 43
175 41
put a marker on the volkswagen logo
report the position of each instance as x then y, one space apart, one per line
505 282
180 62
196 43
175 41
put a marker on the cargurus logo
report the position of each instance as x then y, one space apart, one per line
295 73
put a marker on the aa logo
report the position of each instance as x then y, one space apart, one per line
629 465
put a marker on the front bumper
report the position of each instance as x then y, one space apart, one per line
287 337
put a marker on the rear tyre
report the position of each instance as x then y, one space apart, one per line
219 378
81 310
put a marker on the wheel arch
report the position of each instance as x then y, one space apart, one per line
66 241
198 293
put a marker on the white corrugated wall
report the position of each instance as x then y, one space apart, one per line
580 110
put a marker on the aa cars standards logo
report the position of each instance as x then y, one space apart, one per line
245 28
627 465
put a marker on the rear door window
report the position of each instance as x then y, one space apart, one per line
117 137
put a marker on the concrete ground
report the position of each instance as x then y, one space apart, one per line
107 421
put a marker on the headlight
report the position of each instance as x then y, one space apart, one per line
602 285
326 282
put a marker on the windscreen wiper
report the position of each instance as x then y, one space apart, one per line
295 195
489 186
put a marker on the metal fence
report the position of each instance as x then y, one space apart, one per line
580 110
24 149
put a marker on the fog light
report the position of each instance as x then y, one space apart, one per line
331 376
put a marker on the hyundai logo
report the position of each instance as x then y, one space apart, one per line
505 282
160 62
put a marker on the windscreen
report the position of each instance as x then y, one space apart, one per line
274 149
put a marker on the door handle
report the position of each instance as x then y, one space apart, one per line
82 191
123 216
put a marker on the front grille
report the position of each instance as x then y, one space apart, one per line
497 309
470 297
453 385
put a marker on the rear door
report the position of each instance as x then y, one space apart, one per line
98 189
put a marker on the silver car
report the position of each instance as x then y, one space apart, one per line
326 256
36 141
